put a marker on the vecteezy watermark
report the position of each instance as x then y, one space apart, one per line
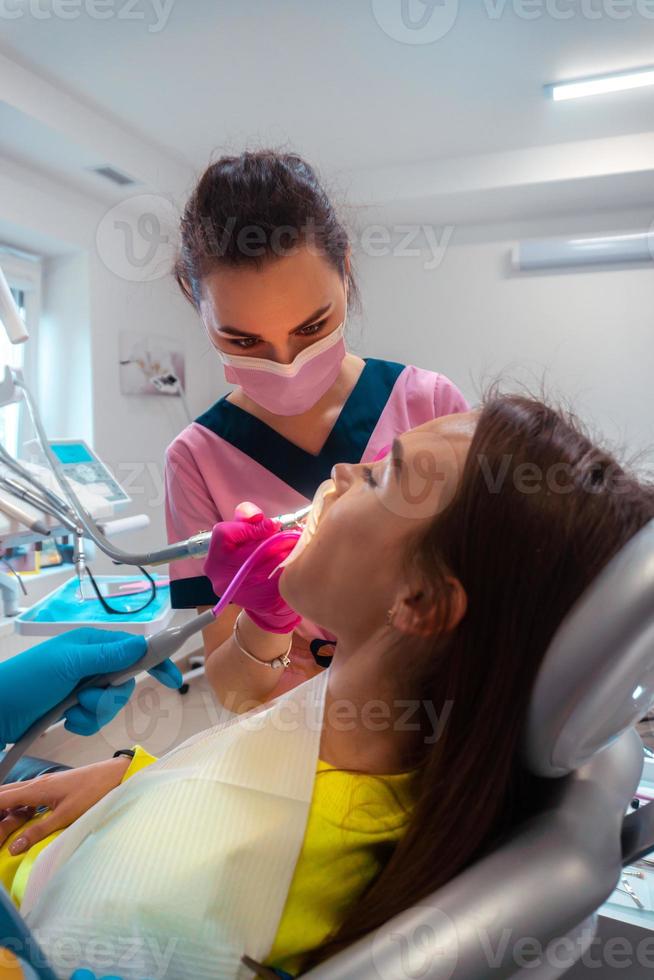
153 13
144 479
136 239
422 944
343 715
373 240
427 21
568 9
103 954
561 478
405 241
416 21
153 717
561 954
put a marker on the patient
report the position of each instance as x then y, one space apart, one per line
444 571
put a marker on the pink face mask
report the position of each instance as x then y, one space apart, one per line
289 389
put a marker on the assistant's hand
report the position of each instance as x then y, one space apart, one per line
35 681
66 794
232 543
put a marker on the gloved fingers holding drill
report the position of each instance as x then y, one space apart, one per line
232 544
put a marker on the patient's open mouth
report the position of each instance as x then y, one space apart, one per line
324 490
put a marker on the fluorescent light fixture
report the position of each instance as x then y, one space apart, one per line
600 84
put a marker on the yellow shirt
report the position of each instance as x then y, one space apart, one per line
354 822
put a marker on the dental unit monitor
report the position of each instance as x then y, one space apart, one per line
83 465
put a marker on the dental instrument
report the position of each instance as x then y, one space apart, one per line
159 647
628 890
34 500
19 470
15 513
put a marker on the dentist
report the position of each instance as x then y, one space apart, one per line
265 261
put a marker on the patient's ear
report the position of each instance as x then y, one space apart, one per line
418 613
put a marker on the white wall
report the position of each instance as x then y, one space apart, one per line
589 334
64 347
131 433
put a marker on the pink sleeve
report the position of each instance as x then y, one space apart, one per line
189 507
448 400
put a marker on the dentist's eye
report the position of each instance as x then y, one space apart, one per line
312 329
245 343
369 477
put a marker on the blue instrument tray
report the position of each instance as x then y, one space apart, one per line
62 609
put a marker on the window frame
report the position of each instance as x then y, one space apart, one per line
23 272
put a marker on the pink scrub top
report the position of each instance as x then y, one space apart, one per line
227 456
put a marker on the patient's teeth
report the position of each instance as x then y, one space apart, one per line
323 491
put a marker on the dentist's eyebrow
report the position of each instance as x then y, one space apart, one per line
234 332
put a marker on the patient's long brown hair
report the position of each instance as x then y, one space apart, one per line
539 511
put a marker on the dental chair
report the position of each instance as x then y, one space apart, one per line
528 909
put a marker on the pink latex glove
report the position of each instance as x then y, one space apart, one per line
232 543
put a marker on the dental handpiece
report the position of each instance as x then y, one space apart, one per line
20 516
198 545
159 647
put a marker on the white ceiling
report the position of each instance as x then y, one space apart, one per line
323 77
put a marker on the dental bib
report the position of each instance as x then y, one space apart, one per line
185 867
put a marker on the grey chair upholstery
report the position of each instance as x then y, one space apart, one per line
528 909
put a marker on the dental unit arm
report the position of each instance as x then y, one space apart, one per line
72 511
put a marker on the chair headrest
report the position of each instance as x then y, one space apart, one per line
597 678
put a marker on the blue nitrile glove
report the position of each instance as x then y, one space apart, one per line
35 681
87 975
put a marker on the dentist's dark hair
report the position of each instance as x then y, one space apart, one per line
524 551
249 209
